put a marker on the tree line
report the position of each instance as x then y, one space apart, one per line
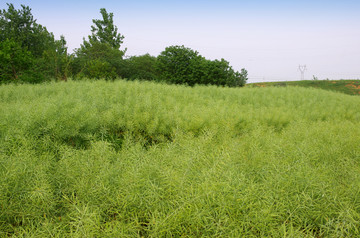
30 53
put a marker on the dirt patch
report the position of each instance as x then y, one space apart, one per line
353 86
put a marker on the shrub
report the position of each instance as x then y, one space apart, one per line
175 64
98 69
141 67
96 59
182 65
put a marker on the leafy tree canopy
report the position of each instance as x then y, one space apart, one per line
175 63
142 67
29 53
104 31
20 26
101 48
179 64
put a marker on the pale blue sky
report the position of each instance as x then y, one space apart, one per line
268 38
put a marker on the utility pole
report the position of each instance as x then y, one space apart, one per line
302 69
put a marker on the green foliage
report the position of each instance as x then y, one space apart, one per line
29 53
101 49
140 159
95 55
175 64
141 67
104 31
17 64
351 87
14 60
241 78
181 65
221 73
99 69
20 26
55 61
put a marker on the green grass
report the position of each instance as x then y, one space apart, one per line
351 87
140 159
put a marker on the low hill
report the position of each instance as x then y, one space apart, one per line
140 159
351 87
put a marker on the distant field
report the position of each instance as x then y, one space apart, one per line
140 159
351 87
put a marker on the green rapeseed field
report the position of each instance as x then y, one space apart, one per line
351 87
141 159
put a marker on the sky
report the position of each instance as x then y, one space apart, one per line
270 39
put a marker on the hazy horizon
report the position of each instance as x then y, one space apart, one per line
268 38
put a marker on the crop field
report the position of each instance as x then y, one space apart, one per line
141 159
351 87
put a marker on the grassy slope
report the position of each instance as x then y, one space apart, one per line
117 159
351 87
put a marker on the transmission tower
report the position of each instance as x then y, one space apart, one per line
302 69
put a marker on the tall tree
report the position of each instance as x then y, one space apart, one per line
101 53
16 24
105 31
28 51
20 26
55 61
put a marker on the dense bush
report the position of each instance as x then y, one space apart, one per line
176 64
14 60
141 67
219 72
182 65
97 60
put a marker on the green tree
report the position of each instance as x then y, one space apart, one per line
141 67
56 61
20 26
182 65
14 60
101 48
219 72
105 31
242 77
175 64
29 51
95 54
99 69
